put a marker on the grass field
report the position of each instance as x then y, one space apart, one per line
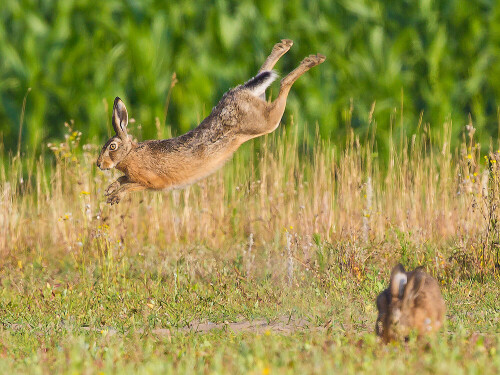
270 266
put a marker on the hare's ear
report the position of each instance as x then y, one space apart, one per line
398 281
120 119
415 285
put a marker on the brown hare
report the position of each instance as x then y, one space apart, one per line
412 301
241 114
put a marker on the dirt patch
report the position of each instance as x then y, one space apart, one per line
282 325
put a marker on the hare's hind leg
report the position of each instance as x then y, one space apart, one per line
277 108
279 50
306 64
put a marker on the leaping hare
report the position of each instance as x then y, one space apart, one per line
242 114
412 301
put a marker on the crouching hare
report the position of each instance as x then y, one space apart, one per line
412 301
241 114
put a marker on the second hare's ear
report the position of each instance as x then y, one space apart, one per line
120 118
398 281
415 285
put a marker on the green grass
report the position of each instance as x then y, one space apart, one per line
436 60
58 317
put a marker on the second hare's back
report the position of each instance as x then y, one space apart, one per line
413 301
423 305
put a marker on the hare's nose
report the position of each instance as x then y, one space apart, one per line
98 164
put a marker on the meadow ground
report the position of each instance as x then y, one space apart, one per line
270 266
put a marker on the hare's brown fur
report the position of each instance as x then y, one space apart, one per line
412 301
241 114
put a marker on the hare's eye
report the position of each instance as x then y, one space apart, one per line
112 146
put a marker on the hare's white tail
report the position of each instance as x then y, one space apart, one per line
258 84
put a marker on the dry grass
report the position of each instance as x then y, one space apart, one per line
338 195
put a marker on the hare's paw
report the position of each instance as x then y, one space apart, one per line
313 60
112 188
113 199
283 46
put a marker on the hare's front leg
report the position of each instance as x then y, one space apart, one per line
115 185
125 187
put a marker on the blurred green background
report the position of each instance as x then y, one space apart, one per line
440 57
